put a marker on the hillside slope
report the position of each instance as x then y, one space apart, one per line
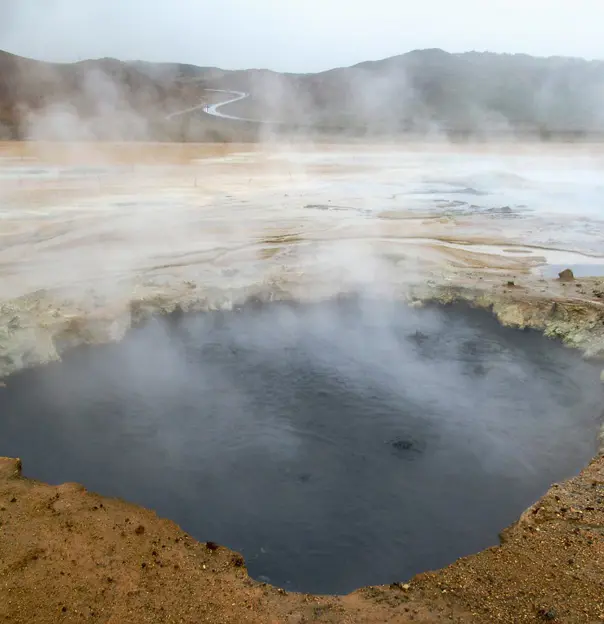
95 99
422 91
432 90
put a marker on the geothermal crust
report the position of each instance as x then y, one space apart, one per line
38 327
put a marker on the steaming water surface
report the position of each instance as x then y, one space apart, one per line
335 445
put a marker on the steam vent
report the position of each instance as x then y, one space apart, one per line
275 350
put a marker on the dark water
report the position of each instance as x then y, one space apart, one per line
335 446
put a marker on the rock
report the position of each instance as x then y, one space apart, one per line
566 276
238 561
549 615
10 468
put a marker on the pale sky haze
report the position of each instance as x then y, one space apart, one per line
295 35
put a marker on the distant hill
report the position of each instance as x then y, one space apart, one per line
431 89
421 91
93 99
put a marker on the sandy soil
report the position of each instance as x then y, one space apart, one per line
68 555
85 256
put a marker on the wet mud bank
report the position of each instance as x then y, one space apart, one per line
136 566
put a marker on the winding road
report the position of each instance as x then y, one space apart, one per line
213 109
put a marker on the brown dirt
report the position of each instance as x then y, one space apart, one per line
68 555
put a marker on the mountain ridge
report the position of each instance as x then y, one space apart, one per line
418 91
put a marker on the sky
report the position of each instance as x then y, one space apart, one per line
295 35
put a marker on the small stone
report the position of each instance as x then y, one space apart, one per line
238 561
566 276
549 615
140 529
511 284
